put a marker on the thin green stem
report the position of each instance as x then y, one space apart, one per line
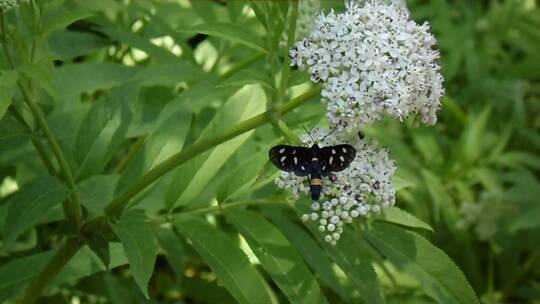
35 142
51 270
122 164
241 65
288 133
220 208
118 204
3 27
287 59
522 272
73 206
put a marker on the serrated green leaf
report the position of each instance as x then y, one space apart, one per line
277 256
441 279
139 244
228 262
229 31
101 132
8 85
401 217
31 204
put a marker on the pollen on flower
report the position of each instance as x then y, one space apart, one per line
373 61
362 188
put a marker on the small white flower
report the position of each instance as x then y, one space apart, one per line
363 187
373 61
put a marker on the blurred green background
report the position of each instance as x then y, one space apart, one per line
474 177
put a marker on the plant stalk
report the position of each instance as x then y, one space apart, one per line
118 204
53 268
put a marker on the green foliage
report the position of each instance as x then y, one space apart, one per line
133 160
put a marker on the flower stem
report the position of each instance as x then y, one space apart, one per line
118 204
53 268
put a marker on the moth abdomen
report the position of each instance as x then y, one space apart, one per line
315 188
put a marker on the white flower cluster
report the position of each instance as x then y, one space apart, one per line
373 60
6 5
363 187
305 21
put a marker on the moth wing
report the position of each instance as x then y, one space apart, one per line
336 158
290 159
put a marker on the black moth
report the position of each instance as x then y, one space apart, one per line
313 162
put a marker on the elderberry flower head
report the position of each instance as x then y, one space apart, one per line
373 60
305 21
362 188
6 5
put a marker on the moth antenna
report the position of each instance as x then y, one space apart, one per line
309 134
329 134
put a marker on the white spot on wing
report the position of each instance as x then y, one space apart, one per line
344 150
294 151
333 151
331 160
295 160
281 150
283 158
341 158
323 167
303 168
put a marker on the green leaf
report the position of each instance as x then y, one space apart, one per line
241 180
74 79
229 31
166 140
310 250
355 262
15 274
192 177
228 262
277 256
97 191
101 132
248 76
473 136
155 52
100 246
400 217
41 73
139 244
441 279
70 44
519 158
31 204
60 19
8 85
